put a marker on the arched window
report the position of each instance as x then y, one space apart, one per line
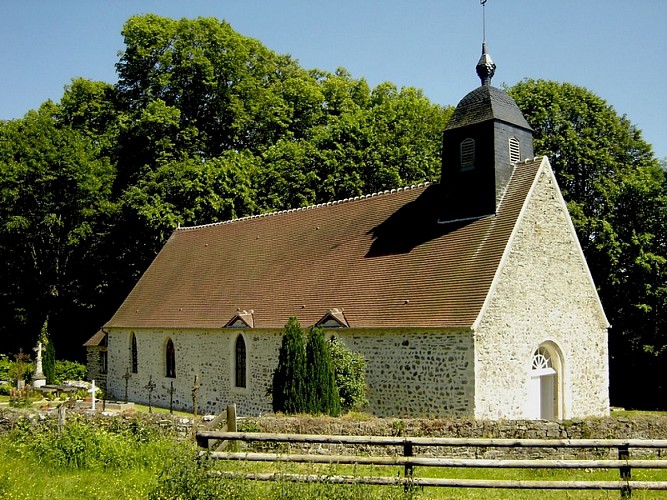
468 154
134 357
515 150
240 351
171 359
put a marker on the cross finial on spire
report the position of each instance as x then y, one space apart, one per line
485 66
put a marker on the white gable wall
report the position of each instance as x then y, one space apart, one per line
543 293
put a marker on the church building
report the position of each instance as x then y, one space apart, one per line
470 297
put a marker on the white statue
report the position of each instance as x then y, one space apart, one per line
38 380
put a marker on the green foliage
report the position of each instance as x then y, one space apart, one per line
323 395
290 393
191 479
5 366
350 373
84 445
49 356
69 370
21 398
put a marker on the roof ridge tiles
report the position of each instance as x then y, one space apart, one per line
308 207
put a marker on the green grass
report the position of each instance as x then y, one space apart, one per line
127 459
638 413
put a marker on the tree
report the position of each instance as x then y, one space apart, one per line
323 395
616 193
350 374
289 380
49 358
54 198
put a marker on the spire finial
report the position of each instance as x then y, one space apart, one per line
485 66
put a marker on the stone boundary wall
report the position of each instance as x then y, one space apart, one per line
639 427
636 427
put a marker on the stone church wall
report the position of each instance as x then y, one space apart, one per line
207 354
95 366
544 294
419 374
428 374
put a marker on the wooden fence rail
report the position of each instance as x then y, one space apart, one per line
624 464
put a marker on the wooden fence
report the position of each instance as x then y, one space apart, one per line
409 461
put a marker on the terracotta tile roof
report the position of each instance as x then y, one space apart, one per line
382 259
97 340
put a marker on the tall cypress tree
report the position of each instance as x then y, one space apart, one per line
49 356
323 395
289 379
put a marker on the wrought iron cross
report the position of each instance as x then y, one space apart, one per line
127 378
195 394
171 397
151 387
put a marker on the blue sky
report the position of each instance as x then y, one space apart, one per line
615 48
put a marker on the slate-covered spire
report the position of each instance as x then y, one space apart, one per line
485 68
485 137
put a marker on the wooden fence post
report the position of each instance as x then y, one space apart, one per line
626 472
407 452
231 417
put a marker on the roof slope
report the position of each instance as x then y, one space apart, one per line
487 103
383 259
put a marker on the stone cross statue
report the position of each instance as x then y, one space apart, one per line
39 380
92 392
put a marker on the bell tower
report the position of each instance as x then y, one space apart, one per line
486 136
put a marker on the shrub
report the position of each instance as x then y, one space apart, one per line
5 365
322 391
289 380
69 370
190 479
49 358
350 373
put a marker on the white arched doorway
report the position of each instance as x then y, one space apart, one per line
544 384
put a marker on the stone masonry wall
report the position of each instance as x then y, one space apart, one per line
416 374
408 373
636 427
94 366
544 294
207 354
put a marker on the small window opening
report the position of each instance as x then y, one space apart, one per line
103 361
171 359
467 154
240 362
134 356
515 150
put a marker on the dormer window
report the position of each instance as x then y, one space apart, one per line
468 154
242 319
515 150
334 318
